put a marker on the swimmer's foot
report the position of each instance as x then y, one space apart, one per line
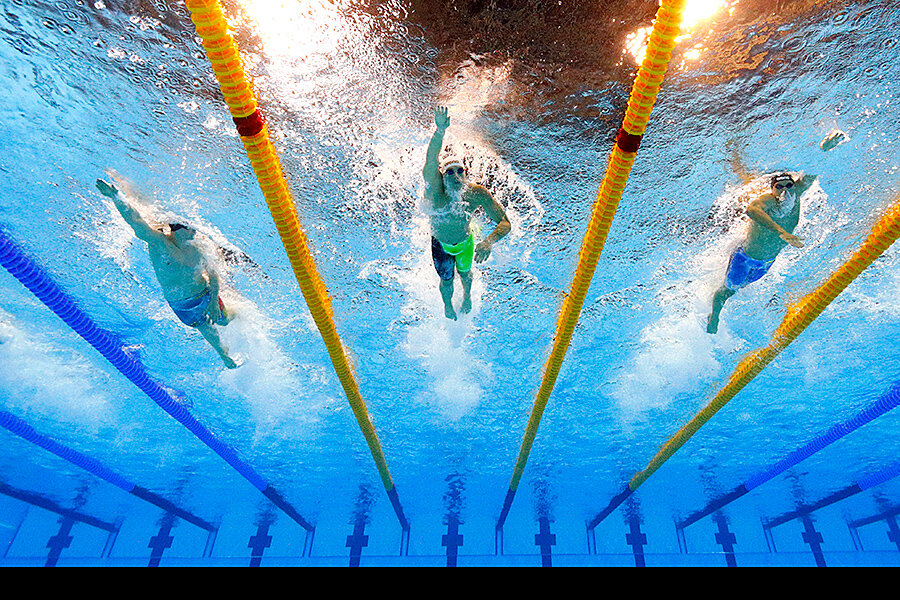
449 312
712 323
232 363
466 306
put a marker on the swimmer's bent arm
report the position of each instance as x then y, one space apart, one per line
803 183
132 216
495 211
757 212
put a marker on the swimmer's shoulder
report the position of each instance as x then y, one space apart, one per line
478 194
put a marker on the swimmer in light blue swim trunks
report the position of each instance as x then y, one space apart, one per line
774 216
451 203
189 284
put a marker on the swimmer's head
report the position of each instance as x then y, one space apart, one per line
182 233
780 182
453 172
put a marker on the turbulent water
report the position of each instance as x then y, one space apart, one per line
535 92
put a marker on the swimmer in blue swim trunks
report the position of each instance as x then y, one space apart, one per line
189 284
451 202
774 216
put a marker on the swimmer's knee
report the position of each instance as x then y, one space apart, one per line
725 292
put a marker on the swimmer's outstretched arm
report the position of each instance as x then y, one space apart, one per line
431 172
132 216
737 162
803 183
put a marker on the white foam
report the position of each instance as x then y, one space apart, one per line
74 393
675 356
278 390
440 345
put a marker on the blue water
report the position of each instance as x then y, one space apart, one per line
348 89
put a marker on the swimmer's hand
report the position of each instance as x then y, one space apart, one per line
214 312
106 189
441 119
482 251
792 239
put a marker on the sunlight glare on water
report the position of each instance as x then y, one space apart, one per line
297 29
696 12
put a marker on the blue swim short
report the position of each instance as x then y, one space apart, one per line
743 270
195 311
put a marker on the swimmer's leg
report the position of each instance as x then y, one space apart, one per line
466 279
721 295
447 295
212 336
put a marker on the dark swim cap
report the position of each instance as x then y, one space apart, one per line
173 227
779 177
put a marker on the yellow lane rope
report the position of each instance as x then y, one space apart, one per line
661 43
228 67
798 317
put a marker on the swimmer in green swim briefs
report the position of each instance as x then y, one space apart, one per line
450 202
189 284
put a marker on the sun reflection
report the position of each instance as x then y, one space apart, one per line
297 28
695 13
699 10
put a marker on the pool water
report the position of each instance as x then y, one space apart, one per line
535 94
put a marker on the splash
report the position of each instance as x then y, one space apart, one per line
75 392
282 393
455 374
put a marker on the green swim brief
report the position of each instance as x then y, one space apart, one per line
463 253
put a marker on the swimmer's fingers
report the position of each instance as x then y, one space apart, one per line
213 311
106 189
441 118
793 240
482 251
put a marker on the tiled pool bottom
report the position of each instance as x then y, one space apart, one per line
33 536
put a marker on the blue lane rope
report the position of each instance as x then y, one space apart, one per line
861 485
879 477
886 402
27 432
32 276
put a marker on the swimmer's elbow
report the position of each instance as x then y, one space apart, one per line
754 210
